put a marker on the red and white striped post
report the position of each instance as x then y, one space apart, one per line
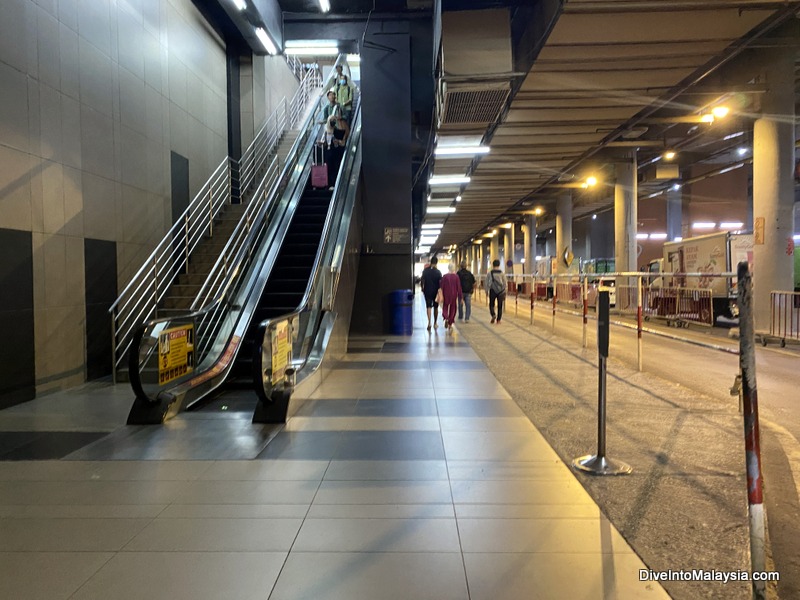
752 447
639 322
585 294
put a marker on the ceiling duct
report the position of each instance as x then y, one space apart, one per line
477 68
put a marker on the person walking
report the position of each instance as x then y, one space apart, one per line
429 282
452 294
467 286
497 284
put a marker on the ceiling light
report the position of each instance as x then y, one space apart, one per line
669 155
312 44
731 225
594 217
703 225
422 250
538 211
678 239
312 51
440 210
458 198
266 41
354 58
324 5
240 4
720 112
709 118
480 242
658 236
676 186
494 231
591 180
448 180
432 226
461 150
508 225
733 135
741 151
488 235
642 236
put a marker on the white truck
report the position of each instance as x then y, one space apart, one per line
712 254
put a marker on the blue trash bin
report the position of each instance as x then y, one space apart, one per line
401 304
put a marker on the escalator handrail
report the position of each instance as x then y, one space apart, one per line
348 197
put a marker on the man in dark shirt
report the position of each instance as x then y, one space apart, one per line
429 282
467 285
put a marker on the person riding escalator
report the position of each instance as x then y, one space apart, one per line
341 131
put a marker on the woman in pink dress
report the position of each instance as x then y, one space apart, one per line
451 290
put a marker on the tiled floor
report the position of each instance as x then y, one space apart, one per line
409 474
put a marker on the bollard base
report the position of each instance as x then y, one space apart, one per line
601 465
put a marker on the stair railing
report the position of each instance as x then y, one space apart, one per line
284 117
138 302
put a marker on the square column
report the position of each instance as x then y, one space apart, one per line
563 232
625 215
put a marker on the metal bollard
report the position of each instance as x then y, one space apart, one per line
532 302
752 443
599 464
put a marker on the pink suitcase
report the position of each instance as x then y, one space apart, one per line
319 169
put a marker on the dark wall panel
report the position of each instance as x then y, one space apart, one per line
378 276
179 175
17 353
100 265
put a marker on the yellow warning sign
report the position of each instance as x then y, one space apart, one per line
175 353
281 351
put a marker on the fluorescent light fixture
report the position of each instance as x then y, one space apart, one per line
458 198
741 151
733 135
594 217
432 226
448 180
422 250
642 236
461 150
312 51
266 41
678 239
240 4
731 225
658 236
703 225
312 44
732 168
354 58
324 5
440 210
676 187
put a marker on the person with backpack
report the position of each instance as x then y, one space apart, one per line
497 285
467 286
429 282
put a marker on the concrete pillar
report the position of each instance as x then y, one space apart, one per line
508 253
563 231
530 244
479 259
494 248
674 214
773 186
625 215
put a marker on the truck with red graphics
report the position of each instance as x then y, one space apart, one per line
711 254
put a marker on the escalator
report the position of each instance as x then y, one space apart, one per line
285 272
290 273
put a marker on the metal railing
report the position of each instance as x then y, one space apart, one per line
784 317
283 118
295 64
228 292
139 300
